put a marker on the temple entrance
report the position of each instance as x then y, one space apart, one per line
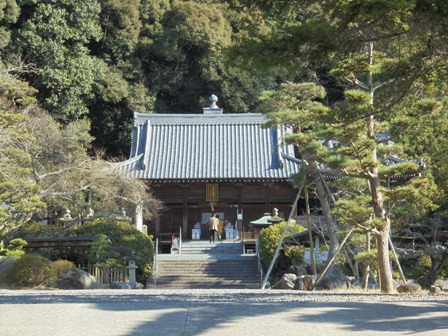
171 221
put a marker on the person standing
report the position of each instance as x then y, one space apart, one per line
213 225
220 227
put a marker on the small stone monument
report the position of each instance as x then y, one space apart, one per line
66 216
131 267
91 213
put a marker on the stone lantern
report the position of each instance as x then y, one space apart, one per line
276 218
131 267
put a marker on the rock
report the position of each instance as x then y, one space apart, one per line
77 279
408 288
287 281
336 282
6 264
299 284
442 284
334 270
435 290
120 285
302 269
308 282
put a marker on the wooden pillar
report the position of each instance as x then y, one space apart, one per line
239 194
239 223
267 204
184 212
157 227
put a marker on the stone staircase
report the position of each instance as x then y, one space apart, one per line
202 264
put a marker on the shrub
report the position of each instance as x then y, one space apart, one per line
17 244
126 239
61 267
14 248
269 239
31 270
58 268
9 253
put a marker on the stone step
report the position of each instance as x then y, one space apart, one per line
202 264
204 285
195 267
206 270
201 277
212 248
202 271
210 257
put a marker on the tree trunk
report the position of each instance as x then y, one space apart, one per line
437 265
330 223
381 232
385 273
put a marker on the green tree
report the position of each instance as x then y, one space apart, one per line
55 35
19 194
9 12
44 161
182 56
126 240
300 106
121 87
14 248
377 51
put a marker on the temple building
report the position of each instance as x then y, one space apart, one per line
211 162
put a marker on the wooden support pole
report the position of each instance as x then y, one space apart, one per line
310 232
397 261
332 259
266 278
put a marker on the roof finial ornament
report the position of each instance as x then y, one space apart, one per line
213 109
213 100
276 218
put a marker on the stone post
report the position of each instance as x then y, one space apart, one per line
131 270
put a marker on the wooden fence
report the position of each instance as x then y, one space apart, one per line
105 276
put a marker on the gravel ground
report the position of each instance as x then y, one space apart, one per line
207 295
208 312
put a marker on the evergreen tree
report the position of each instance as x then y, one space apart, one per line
54 35
300 106
377 51
19 193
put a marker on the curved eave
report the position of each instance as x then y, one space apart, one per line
223 180
129 167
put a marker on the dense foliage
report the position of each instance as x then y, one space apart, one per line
104 59
269 239
35 270
116 239
384 57
72 73
31 270
125 240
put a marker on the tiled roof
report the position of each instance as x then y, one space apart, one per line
203 147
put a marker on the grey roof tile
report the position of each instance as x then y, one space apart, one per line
185 147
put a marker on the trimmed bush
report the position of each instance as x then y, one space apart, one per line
269 239
58 269
61 267
31 270
126 239
14 248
